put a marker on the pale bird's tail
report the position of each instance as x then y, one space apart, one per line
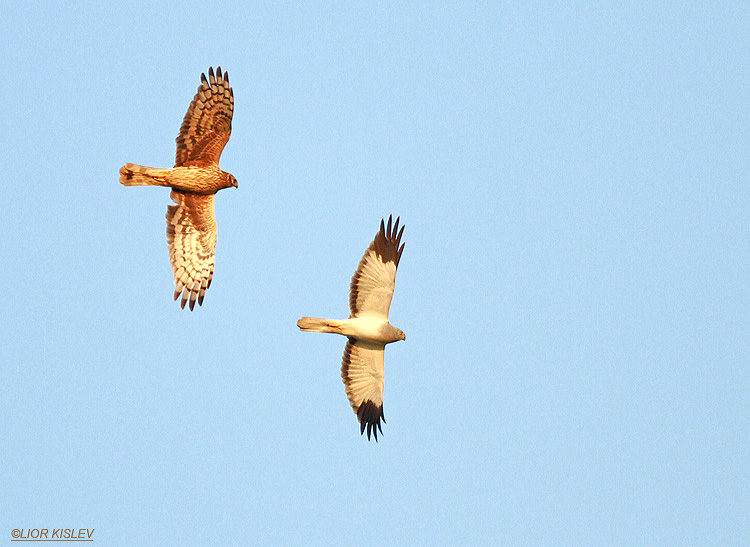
138 175
313 324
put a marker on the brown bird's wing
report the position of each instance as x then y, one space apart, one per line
191 234
208 123
363 372
372 285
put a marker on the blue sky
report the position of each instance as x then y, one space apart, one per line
574 183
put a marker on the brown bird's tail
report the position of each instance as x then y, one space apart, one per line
138 175
313 324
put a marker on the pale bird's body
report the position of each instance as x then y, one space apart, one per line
370 329
367 328
194 180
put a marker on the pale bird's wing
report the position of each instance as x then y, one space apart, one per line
372 285
191 234
362 372
208 123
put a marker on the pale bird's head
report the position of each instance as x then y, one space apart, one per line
401 335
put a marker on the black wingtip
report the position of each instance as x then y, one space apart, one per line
391 229
388 239
370 415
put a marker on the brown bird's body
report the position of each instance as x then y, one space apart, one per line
194 180
191 179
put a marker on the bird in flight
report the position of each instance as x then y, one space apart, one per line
367 328
194 180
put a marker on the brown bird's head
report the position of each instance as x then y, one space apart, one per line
232 182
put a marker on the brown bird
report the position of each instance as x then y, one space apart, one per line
194 180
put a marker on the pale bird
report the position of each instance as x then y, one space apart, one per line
367 327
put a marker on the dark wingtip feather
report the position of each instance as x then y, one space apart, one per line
388 239
369 416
